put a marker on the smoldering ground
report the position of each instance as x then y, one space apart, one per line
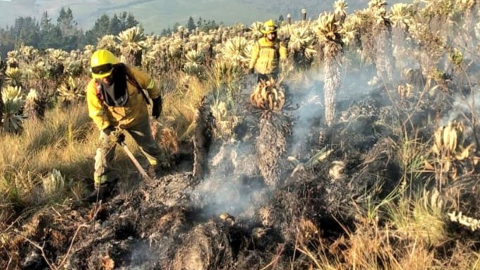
176 223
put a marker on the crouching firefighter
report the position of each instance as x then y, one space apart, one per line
116 101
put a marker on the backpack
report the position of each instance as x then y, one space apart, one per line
130 78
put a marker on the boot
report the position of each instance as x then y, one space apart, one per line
152 170
98 194
102 191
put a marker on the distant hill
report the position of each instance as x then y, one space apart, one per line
156 15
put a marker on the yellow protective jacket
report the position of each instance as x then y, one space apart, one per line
134 111
266 56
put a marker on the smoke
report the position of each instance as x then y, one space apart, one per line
309 113
143 257
464 107
233 185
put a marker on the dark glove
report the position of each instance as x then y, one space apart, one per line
156 107
284 41
108 130
120 138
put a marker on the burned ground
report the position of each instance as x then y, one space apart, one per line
244 203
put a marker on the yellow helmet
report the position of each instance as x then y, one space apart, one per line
269 27
101 63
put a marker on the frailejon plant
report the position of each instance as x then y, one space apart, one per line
109 42
12 58
401 17
69 92
333 37
13 77
35 105
194 65
267 95
301 43
132 43
449 151
28 55
234 51
53 184
55 63
13 104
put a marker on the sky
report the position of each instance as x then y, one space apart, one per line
154 15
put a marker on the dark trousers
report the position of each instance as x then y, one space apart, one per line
267 77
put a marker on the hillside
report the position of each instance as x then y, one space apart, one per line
364 154
156 15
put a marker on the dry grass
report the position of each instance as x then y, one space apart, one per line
28 159
413 236
49 160
180 105
370 247
420 218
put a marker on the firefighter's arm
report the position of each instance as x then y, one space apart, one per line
146 82
283 51
152 89
156 97
95 109
255 52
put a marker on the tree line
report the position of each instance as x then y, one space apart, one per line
201 25
65 33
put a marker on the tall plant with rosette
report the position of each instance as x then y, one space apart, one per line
132 43
332 36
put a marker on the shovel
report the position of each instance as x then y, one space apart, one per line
121 142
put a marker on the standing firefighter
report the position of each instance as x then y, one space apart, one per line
116 101
267 53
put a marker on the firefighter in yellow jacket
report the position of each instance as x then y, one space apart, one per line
267 53
116 101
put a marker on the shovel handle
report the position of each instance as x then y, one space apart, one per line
135 161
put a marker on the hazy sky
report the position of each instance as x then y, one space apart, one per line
154 15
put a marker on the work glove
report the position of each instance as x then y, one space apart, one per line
284 41
108 130
156 107
120 138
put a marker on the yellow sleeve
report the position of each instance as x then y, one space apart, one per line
145 81
95 109
255 52
283 51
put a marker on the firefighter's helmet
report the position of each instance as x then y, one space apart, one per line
269 27
101 64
